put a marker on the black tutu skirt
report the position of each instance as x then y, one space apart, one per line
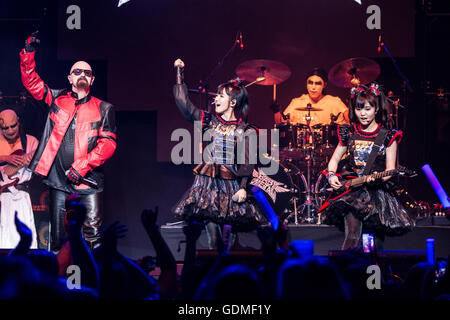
210 200
376 208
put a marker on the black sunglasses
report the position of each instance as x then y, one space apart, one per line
10 127
77 72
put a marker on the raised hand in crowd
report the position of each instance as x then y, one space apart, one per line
110 235
167 282
26 237
121 278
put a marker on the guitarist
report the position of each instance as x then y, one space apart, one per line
369 147
16 151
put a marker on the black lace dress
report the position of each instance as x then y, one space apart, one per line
379 211
221 176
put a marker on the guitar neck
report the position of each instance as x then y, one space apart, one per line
378 175
383 174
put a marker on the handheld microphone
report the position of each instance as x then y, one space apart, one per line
91 183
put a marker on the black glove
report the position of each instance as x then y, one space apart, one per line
275 107
32 43
74 176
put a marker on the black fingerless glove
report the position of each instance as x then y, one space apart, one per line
32 43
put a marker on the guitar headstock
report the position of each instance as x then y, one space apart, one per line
403 171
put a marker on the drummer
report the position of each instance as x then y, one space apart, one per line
333 109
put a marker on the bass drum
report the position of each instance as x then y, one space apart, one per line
284 186
320 189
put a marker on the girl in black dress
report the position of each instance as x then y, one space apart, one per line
372 207
218 195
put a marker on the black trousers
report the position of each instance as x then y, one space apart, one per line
92 224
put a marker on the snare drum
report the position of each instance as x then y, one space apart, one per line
288 134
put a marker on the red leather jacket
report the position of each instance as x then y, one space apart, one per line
95 137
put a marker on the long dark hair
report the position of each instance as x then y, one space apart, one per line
376 98
235 89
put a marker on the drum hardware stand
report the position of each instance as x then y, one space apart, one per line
309 218
295 213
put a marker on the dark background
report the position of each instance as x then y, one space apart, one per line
132 49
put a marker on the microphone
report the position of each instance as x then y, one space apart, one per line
91 183
379 43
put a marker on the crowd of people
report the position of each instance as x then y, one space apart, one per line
284 271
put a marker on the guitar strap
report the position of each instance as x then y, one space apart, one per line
376 147
23 141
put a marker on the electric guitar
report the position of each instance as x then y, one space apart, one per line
8 170
350 181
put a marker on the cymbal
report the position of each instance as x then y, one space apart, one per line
274 72
309 109
364 69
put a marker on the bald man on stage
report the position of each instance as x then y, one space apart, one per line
79 136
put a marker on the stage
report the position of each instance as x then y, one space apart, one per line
326 238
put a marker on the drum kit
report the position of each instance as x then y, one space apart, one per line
304 149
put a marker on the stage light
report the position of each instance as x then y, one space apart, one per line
440 192
121 2
358 1
266 207
430 251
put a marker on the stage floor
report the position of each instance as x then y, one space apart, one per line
325 238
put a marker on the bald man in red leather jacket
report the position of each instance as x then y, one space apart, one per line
79 136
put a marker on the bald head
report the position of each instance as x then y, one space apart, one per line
81 77
8 116
80 65
9 124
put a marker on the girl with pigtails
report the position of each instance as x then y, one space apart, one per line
371 208
218 194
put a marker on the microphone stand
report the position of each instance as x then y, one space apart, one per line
405 85
405 80
204 84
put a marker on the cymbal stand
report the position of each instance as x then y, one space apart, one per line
309 138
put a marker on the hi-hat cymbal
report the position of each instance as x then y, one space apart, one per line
309 109
363 69
274 72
